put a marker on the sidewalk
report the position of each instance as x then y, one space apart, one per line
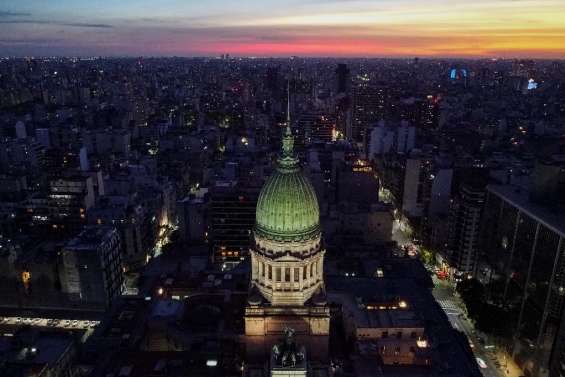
509 367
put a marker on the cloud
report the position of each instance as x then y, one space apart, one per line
6 14
26 41
58 23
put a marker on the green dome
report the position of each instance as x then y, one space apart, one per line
287 208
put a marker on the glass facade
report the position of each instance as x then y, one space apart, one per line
523 253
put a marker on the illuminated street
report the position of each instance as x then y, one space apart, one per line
71 324
498 364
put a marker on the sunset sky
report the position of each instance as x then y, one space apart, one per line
357 28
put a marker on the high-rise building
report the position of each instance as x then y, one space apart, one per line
70 196
522 245
464 226
21 132
232 215
192 219
314 127
342 78
368 107
42 137
287 259
548 181
382 139
83 158
91 270
557 360
417 186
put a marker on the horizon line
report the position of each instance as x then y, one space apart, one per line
289 57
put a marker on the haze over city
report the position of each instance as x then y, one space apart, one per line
353 28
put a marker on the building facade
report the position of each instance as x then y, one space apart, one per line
91 270
287 257
522 263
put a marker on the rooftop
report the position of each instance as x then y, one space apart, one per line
519 198
91 237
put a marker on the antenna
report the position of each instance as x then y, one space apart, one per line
288 103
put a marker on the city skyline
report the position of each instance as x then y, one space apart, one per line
347 28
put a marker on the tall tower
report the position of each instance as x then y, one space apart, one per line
343 78
287 255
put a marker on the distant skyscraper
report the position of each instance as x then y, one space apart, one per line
21 132
343 78
83 158
42 137
406 138
368 105
272 81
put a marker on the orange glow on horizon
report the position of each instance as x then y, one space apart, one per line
357 28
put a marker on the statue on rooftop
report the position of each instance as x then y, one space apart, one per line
287 354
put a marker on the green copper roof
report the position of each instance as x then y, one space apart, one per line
287 208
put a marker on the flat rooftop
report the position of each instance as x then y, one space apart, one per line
91 237
519 198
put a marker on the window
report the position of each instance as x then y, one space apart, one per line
296 274
270 273
287 274
278 274
305 273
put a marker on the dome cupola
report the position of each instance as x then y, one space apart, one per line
287 207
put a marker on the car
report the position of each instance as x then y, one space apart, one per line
481 363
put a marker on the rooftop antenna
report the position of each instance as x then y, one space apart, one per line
288 106
288 139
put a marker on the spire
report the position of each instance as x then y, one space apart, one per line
288 104
287 159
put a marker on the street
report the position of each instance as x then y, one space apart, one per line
497 362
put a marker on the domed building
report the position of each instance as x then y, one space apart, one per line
287 259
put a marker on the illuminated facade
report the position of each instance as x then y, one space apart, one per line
287 256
